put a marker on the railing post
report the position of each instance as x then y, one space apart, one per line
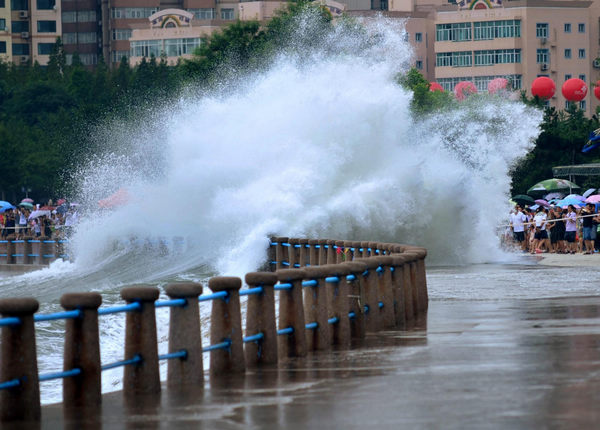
315 309
322 252
291 314
372 314
373 246
19 251
140 338
226 325
313 253
398 290
48 250
331 252
304 251
281 253
36 251
10 249
27 250
386 294
337 303
357 298
82 350
185 333
19 361
260 318
356 252
421 278
294 253
364 245
272 255
410 292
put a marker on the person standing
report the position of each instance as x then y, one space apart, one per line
571 229
589 229
517 220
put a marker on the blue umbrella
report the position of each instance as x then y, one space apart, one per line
4 206
569 201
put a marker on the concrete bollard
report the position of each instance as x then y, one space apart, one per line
422 293
315 309
331 252
355 251
337 304
386 293
373 249
19 361
185 333
398 290
36 251
82 350
304 251
226 325
48 250
294 253
27 250
140 338
61 251
19 254
260 318
322 252
357 298
313 253
10 249
372 314
291 314
281 253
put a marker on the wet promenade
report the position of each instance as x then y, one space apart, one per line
499 364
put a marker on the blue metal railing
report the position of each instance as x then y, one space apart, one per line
254 338
177 354
223 345
60 375
218 295
58 316
250 291
135 306
312 326
284 286
137 358
287 330
4 322
171 303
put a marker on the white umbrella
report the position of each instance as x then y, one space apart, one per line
589 192
38 213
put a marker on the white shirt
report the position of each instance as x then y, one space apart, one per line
540 220
517 221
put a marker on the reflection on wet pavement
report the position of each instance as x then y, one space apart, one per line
523 364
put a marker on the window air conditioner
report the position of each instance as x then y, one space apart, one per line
24 58
544 67
24 35
596 63
23 14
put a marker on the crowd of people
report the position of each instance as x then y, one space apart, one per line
21 222
554 229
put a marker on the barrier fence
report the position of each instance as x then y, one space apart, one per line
329 292
32 250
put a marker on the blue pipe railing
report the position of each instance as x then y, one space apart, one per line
218 295
60 375
223 345
177 354
287 330
254 338
135 360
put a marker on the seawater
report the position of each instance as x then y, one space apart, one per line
321 144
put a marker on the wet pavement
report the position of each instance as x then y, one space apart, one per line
514 364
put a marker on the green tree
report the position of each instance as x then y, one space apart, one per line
423 100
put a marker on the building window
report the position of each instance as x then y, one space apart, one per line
568 53
146 48
45 48
454 59
178 47
69 17
541 30
418 37
69 38
419 64
488 30
567 76
497 56
448 84
2 47
20 26
19 5
132 12
121 34
205 13
45 4
2 3
453 32
567 104
581 27
116 56
20 48
582 105
543 56
87 37
567 27
2 24
46 26
582 77
582 53
226 14
79 16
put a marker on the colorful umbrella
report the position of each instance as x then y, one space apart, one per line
4 206
551 196
543 202
554 184
522 199
27 200
575 196
26 205
593 199
589 192
569 201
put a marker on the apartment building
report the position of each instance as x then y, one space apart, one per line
82 30
5 38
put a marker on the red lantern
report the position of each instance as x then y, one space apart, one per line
543 87
597 90
434 86
574 90
464 89
497 84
